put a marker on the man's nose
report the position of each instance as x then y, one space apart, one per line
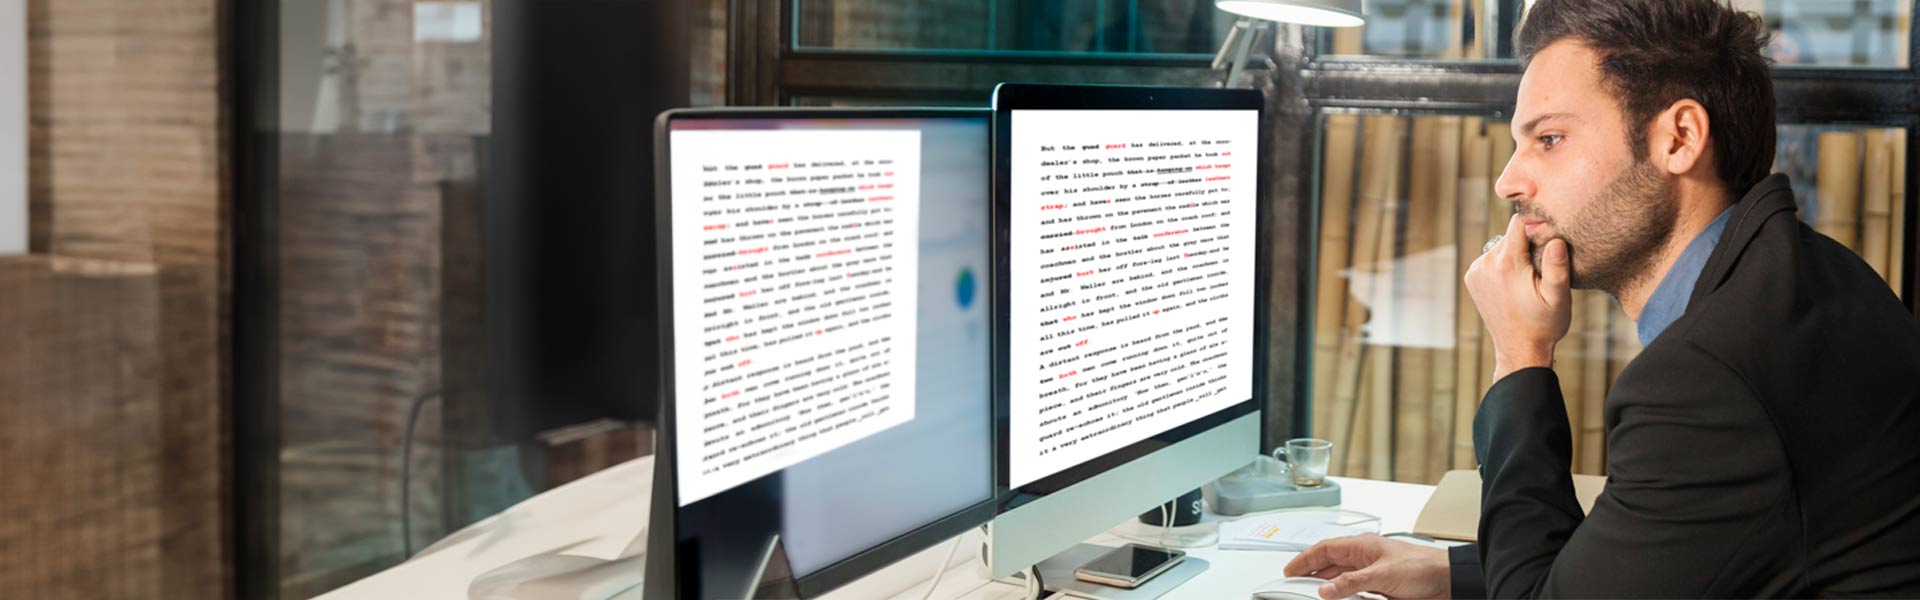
1514 182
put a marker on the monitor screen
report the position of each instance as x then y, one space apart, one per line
1131 278
830 322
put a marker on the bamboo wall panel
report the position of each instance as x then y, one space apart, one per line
1401 359
1858 194
1406 205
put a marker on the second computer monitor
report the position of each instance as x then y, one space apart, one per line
825 343
1128 230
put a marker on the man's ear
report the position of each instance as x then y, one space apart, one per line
1679 137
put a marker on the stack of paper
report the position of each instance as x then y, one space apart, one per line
1285 533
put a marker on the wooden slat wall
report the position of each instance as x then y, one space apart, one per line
82 496
126 165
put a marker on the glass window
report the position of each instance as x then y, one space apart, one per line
707 75
1400 358
1423 29
1837 33
384 122
1091 26
1398 366
1825 33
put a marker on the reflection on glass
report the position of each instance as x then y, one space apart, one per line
1827 33
1425 29
1837 33
1092 26
707 83
382 108
385 113
1400 357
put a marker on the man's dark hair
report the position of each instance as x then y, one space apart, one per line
1657 52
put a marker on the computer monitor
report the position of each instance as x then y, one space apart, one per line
827 368
1129 233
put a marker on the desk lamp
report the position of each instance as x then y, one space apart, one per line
1240 39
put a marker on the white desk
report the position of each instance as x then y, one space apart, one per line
599 515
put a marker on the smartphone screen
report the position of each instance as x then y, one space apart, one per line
1131 560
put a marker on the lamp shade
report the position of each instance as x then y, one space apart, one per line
1322 13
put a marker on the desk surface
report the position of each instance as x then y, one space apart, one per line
601 516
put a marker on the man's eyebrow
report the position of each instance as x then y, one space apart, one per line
1527 129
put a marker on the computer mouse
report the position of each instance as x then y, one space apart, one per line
1275 595
1302 588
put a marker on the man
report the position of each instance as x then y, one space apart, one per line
1763 443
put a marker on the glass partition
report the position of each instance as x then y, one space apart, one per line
1400 358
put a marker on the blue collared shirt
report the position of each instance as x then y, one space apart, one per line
1669 300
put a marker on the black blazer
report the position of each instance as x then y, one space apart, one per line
1766 444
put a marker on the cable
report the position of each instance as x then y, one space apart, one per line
941 571
986 537
1033 583
1197 535
1166 522
406 473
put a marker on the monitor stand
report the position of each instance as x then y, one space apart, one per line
1056 574
565 576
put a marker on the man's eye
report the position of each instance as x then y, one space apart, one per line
1550 141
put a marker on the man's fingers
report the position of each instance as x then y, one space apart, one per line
1555 273
1347 584
1515 248
1331 572
1336 555
1314 559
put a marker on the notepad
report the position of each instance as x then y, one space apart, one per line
1284 533
1453 512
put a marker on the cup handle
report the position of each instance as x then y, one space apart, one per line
1283 466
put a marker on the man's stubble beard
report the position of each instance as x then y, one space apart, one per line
1612 238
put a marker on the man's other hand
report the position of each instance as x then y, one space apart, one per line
1370 563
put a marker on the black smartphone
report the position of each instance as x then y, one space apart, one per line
1129 566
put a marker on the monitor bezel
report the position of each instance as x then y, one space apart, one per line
864 562
1009 97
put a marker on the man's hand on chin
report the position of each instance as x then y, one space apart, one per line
1370 563
1526 312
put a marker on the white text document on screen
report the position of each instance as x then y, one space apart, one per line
1131 277
794 276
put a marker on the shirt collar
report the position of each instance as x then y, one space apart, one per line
1669 299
